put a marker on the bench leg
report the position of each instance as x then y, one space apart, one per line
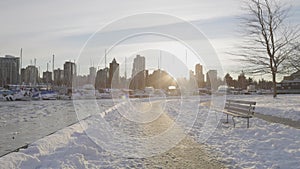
233 121
227 119
247 122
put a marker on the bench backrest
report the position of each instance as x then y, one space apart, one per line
240 106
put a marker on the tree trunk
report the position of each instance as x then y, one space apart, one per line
274 85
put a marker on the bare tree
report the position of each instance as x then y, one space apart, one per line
294 61
268 38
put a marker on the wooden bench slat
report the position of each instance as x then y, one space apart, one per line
242 102
246 107
236 114
239 110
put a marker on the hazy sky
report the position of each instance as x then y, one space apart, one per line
62 27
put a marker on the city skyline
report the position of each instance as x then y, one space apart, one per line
141 78
156 59
200 75
109 76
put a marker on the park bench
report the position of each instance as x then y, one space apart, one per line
239 108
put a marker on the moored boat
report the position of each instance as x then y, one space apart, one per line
49 95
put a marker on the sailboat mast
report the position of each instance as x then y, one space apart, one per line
35 73
21 57
105 69
105 58
20 71
125 73
53 67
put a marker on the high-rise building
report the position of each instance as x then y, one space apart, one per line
58 77
199 75
114 75
31 75
23 75
92 75
138 65
47 77
138 73
9 70
102 78
69 73
212 79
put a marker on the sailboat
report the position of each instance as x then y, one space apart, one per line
23 95
7 95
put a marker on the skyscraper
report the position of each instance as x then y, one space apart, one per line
102 78
114 75
47 77
138 73
212 79
92 75
138 65
58 77
199 75
69 73
9 70
23 75
31 75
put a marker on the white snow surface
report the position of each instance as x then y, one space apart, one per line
285 106
24 122
263 145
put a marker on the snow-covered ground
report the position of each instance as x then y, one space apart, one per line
263 145
285 106
25 122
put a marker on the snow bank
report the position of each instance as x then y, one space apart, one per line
70 147
29 158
